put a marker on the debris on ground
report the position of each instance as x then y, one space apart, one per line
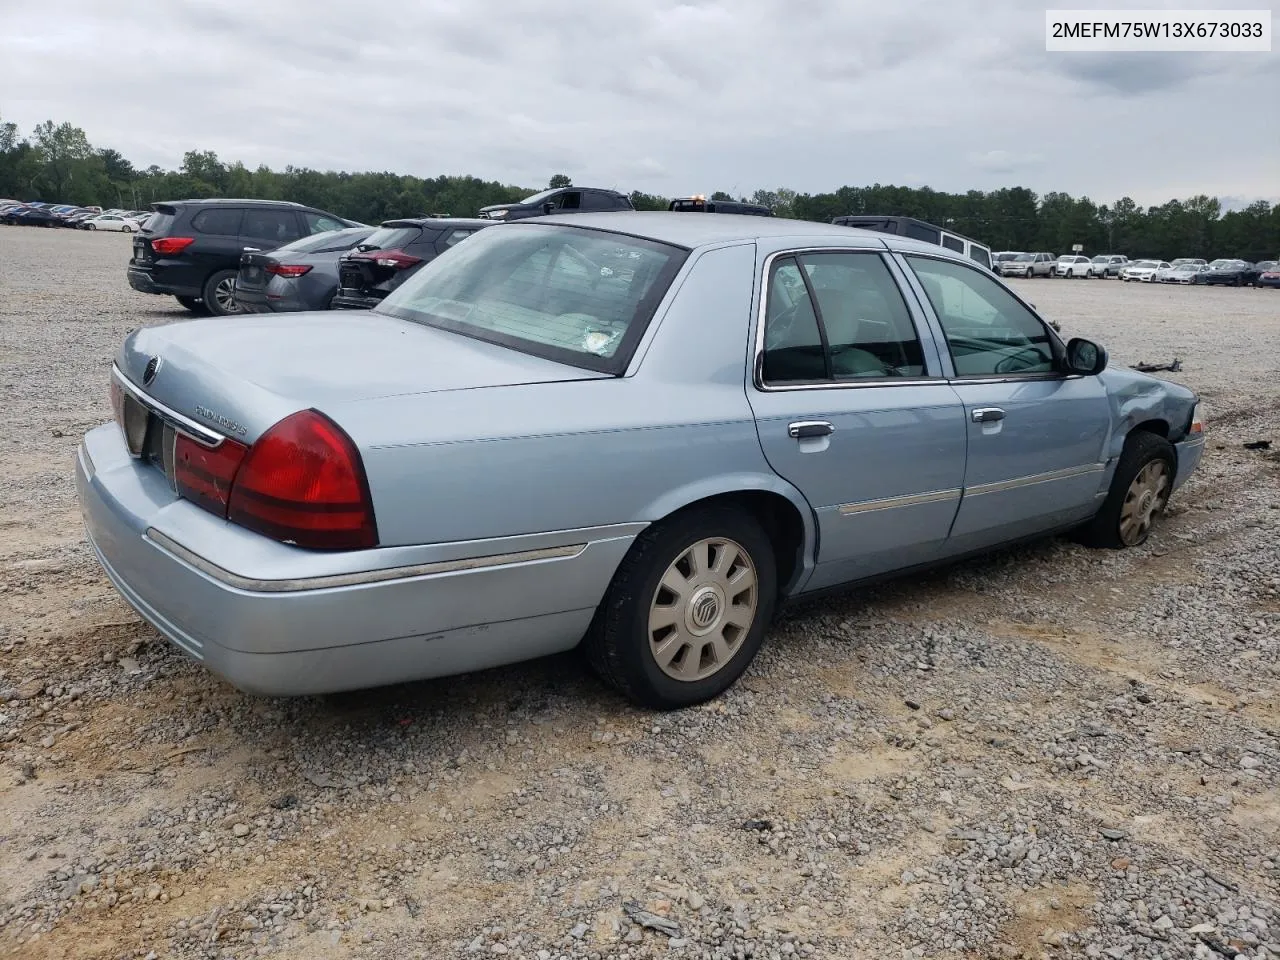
646 918
1258 445
1172 367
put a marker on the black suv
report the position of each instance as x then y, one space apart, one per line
191 249
393 253
560 200
700 204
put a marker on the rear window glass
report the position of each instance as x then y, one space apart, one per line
159 222
576 296
391 238
322 242
979 254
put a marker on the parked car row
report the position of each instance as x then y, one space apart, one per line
1185 270
1226 272
40 214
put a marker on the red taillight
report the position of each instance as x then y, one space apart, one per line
287 269
395 258
303 482
167 246
204 475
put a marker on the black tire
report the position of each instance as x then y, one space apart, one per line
618 642
90 227
1140 449
215 299
194 304
126 229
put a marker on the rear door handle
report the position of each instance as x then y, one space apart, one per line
987 414
809 429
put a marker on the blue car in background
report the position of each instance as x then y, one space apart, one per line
637 432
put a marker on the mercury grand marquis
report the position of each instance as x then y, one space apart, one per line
634 432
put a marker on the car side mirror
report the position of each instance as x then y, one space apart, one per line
548 207
1085 357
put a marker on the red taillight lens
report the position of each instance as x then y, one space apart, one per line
395 258
287 269
167 246
204 475
303 482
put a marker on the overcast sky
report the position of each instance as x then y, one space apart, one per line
666 96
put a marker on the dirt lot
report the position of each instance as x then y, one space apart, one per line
1052 752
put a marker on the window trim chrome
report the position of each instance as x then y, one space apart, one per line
183 424
885 253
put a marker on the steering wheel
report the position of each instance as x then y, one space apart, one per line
1016 360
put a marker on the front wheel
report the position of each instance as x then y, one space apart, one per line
1139 493
92 227
687 609
126 229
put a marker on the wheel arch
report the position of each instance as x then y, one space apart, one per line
779 507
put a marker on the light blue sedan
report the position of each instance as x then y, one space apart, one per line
637 432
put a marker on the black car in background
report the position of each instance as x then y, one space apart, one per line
191 249
559 200
30 216
700 204
302 275
1235 273
393 253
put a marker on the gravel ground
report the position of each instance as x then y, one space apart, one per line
1051 752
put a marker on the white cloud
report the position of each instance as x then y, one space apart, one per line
669 96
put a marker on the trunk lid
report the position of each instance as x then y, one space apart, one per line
240 375
253 271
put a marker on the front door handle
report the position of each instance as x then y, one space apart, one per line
809 429
253 249
987 414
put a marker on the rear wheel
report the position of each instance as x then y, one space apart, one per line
687 609
1139 493
220 293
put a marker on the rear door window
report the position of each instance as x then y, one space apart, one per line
320 223
216 221
979 255
951 243
274 227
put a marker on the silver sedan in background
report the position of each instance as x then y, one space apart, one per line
637 432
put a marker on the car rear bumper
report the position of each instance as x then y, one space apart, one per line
348 299
1189 452
367 619
156 279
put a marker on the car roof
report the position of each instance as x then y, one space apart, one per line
439 223
684 230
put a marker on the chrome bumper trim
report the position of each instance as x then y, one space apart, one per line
255 585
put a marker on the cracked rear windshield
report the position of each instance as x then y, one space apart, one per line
582 297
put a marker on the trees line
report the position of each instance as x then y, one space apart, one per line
56 162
